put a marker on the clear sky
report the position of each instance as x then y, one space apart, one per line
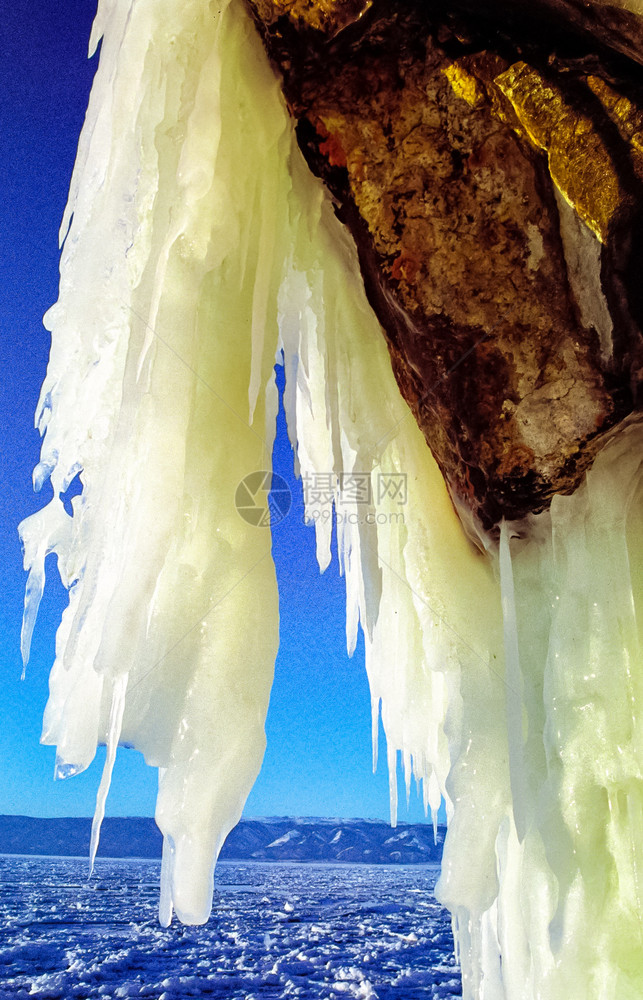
318 761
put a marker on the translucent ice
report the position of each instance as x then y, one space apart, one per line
197 248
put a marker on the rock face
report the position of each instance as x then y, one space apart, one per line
494 187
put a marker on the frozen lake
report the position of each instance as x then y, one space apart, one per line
277 930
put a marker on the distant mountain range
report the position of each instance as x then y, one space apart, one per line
279 839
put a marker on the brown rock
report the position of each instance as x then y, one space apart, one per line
495 204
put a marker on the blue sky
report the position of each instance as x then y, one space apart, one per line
318 760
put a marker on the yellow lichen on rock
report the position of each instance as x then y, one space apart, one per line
464 84
625 114
326 16
580 163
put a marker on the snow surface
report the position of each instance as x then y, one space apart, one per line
281 930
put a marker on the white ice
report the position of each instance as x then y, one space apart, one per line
198 247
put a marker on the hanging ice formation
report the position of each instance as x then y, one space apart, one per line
196 246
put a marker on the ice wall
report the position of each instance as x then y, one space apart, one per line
197 246
569 855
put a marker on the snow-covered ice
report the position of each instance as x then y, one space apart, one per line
279 930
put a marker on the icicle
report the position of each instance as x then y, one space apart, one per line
392 781
146 375
115 724
433 800
513 681
47 531
164 566
166 907
408 769
375 726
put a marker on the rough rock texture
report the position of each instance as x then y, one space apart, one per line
494 188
